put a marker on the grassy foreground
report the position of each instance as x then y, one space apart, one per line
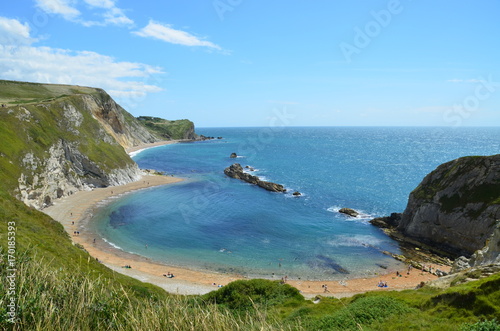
58 286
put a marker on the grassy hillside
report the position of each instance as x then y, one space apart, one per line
179 129
16 93
35 127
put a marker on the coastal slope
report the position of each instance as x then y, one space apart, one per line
59 139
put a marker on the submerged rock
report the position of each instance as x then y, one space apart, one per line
236 171
349 211
233 155
297 194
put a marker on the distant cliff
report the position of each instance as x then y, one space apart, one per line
178 130
58 139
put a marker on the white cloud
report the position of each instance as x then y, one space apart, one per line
59 66
111 14
13 32
100 3
59 7
165 33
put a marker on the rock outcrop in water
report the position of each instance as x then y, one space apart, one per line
236 171
456 209
349 211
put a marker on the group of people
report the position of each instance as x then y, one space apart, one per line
169 275
382 284
127 266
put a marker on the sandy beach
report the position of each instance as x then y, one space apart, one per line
75 211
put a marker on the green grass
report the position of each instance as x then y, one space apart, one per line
14 92
179 129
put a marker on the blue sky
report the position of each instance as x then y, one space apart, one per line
260 63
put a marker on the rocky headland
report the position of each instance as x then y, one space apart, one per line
455 211
236 171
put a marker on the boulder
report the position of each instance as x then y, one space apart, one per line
387 222
233 156
349 211
297 194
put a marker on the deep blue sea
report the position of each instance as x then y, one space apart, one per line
213 222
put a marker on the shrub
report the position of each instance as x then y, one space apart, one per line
243 294
492 325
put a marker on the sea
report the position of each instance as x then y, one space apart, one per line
211 222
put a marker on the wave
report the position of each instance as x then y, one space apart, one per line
133 154
111 244
363 216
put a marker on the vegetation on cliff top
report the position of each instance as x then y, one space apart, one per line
177 130
449 173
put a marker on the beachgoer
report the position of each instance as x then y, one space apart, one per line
94 240
326 288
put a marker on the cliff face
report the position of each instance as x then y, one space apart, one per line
117 122
59 139
456 206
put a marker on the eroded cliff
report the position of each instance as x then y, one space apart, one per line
58 139
456 206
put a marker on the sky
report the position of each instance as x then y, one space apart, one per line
242 63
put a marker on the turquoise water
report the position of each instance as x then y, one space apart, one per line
217 223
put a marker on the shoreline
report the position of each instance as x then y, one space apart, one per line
133 151
74 213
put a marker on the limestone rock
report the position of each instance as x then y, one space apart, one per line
236 171
387 222
456 206
349 211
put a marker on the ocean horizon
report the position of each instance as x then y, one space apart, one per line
213 222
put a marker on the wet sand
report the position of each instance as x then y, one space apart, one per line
75 211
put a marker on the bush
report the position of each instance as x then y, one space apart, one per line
482 326
363 311
243 294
